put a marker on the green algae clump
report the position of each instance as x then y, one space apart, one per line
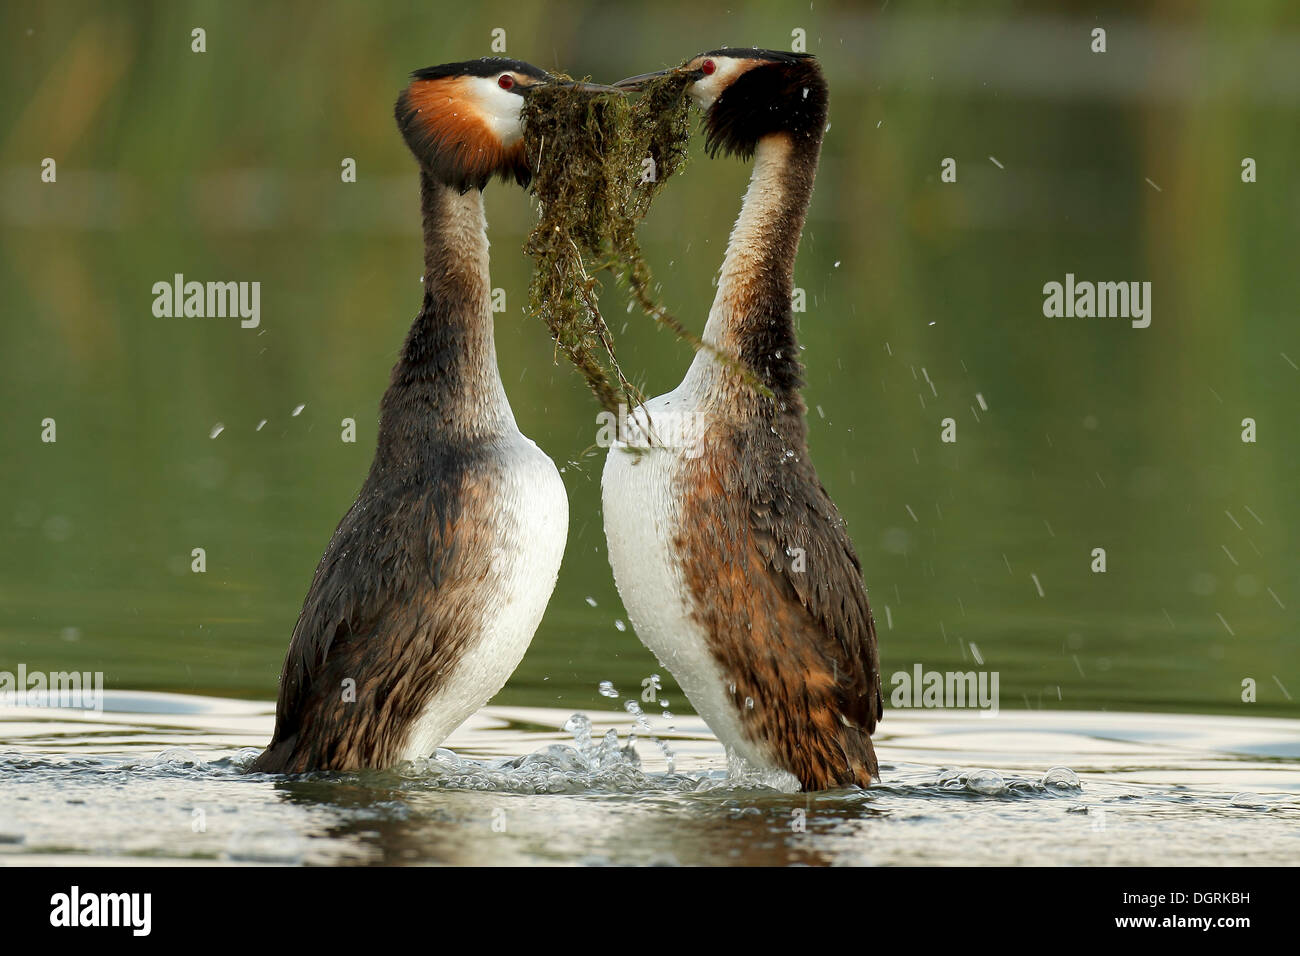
598 161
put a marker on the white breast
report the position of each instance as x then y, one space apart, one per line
531 525
642 512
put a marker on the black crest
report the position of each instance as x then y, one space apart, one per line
786 93
483 66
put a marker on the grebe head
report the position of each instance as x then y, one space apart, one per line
462 120
749 94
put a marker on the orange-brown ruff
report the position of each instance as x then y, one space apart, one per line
446 122
734 563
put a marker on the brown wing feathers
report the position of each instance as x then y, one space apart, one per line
392 574
778 588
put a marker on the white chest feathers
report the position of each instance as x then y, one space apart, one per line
530 526
641 494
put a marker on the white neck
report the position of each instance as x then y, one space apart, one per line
748 247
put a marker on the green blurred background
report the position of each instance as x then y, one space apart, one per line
1118 166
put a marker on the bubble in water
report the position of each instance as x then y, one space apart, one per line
607 689
985 781
177 757
245 756
556 759
1060 778
950 779
1248 799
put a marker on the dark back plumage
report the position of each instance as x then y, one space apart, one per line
778 588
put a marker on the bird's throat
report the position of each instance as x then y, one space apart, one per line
751 318
447 375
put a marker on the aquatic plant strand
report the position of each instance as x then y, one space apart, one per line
594 186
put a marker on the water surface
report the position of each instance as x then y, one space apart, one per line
157 778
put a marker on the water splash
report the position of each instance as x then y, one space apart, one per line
643 724
590 765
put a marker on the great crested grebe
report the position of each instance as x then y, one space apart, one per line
732 560
436 578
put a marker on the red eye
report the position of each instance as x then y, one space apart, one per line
708 67
506 81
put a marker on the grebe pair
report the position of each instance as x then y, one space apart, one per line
733 563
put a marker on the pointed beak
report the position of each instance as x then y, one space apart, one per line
634 83
582 87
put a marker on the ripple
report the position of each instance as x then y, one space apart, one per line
264 845
985 782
